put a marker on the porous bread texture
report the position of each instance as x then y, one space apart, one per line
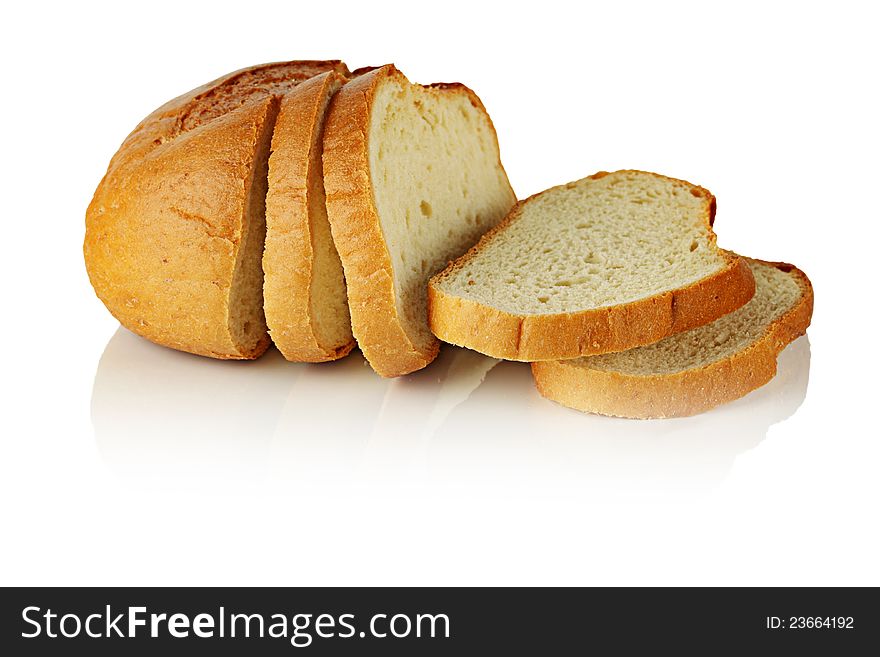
696 370
438 185
600 242
304 288
174 232
776 292
413 177
602 264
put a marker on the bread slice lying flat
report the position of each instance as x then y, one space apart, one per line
693 371
603 264
304 288
413 178
174 233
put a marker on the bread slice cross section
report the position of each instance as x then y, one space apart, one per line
604 264
175 231
413 178
696 370
304 288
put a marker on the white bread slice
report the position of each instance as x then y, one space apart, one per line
413 178
174 233
693 371
304 288
603 264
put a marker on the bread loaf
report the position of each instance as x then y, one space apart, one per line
174 233
315 206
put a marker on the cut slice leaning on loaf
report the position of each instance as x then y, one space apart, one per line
304 288
694 371
413 178
603 264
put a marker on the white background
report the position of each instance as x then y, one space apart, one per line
124 463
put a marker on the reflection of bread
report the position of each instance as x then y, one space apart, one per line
152 407
693 371
305 446
304 288
174 233
415 406
210 426
607 457
413 178
603 264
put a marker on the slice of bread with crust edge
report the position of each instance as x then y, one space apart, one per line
696 387
389 318
538 337
174 232
304 288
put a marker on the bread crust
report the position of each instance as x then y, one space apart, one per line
288 259
683 393
166 225
357 233
531 338
381 334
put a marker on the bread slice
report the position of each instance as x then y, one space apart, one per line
174 233
693 371
413 177
304 288
603 264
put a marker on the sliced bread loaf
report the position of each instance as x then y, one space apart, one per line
693 371
603 264
174 233
413 178
304 288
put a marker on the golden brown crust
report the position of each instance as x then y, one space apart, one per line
288 260
682 393
530 338
165 226
357 231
